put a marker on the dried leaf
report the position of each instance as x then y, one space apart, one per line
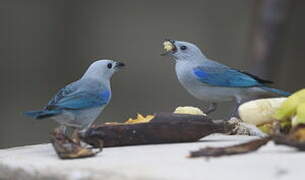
230 150
298 133
296 138
66 148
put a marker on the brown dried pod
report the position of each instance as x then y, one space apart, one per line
163 128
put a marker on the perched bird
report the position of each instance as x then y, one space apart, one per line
78 104
214 82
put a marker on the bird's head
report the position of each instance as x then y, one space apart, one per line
181 51
103 69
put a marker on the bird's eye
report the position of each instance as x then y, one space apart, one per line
183 47
109 65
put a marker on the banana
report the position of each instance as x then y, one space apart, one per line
289 107
260 111
168 46
189 110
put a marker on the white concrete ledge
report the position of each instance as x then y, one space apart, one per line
158 162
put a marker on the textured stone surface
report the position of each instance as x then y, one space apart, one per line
168 162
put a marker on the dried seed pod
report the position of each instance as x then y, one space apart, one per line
163 128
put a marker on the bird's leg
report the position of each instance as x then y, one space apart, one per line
234 112
62 129
211 108
75 137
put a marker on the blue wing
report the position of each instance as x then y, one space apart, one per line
224 77
72 97
84 100
75 96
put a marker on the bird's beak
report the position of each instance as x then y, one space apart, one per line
169 47
119 65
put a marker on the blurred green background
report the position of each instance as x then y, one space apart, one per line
45 45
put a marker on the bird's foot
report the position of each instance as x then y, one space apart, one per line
75 137
211 108
61 129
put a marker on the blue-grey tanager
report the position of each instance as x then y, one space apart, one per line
78 104
212 81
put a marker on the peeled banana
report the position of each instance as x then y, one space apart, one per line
189 110
260 111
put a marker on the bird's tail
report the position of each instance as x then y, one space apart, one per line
42 114
277 91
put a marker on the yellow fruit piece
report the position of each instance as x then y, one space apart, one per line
168 46
260 111
289 107
266 128
140 119
300 115
269 128
189 110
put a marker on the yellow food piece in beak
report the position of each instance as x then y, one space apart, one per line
140 119
168 46
189 110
